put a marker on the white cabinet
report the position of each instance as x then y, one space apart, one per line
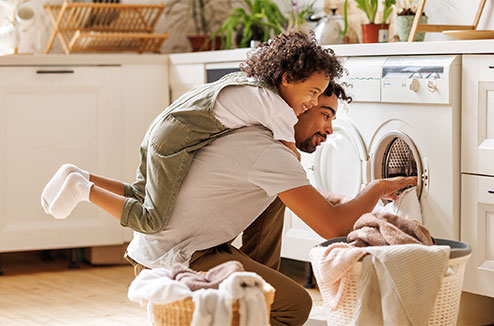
184 77
477 167
478 115
92 116
477 229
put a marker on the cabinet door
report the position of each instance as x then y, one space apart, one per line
145 95
478 115
185 77
477 229
50 116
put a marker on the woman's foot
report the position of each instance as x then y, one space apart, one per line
53 186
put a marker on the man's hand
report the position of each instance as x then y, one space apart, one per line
392 185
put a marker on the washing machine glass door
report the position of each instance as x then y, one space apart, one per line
339 162
395 154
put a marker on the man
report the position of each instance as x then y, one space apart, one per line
233 185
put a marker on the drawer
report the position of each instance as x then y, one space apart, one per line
486 68
486 190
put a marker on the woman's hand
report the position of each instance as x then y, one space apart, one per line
392 185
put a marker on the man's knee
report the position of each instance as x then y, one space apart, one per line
293 306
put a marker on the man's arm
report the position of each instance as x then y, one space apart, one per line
331 221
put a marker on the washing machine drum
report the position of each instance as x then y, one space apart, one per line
338 162
396 155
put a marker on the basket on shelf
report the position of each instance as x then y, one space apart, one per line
180 312
105 27
446 306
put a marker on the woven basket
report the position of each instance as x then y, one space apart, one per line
446 306
179 313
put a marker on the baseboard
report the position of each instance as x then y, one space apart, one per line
106 255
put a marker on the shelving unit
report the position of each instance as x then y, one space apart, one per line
105 27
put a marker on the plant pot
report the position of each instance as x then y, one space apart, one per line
370 33
204 43
404 25
383 33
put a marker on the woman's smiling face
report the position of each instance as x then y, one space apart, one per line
303 95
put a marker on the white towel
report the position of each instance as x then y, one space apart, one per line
248 288
399 284
211 307
155 286
407 206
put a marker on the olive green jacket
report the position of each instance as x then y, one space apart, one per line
167 152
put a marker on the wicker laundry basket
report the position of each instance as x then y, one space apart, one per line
179 313
445 310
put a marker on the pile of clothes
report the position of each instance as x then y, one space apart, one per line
401 268
213 292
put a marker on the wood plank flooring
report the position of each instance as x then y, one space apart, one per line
49 294
38 293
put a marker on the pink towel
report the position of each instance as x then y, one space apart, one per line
210 280
332 268
380 229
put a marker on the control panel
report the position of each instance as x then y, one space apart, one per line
418 79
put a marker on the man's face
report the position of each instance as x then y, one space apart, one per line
316 124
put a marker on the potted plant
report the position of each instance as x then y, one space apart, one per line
406 10
370 31
298 14
256 22
203 15
387 11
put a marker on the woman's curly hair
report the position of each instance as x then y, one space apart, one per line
296 53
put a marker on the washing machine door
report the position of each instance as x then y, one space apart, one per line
395 154
339 163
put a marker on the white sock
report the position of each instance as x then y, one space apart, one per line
53 186
75 189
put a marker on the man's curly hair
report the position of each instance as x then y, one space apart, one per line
296 53
339 91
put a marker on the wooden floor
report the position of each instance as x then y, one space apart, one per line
46 293
34 293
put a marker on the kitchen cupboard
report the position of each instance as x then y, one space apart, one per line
184 77
477 157
92 116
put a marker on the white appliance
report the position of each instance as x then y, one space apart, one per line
404 120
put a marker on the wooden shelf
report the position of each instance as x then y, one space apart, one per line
105 27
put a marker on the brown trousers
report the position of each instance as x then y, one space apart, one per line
260 253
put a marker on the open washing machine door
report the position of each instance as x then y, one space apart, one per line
339 163
395 154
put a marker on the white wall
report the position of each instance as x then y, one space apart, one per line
457 12
439 12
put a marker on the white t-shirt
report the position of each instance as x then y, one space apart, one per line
240 106
231 181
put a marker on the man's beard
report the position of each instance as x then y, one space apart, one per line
307 146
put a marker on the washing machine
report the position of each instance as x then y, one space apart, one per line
404 121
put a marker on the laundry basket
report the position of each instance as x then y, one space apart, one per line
179 313
445 310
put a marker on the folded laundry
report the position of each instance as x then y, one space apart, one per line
209 280
379 229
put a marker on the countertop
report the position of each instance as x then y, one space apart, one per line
84 59
212 57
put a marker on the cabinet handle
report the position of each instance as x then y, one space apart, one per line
54 71
491 67
491 191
